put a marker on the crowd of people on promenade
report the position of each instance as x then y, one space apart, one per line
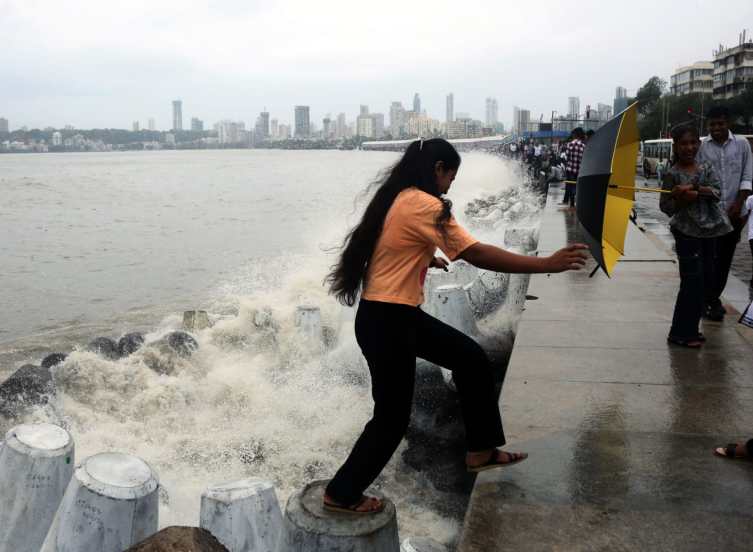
553 162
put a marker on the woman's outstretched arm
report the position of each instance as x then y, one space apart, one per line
491 257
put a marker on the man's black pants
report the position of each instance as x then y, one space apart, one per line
725 252
391 336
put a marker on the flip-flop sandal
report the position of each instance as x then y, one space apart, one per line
692 343
332 507
730 452
496 461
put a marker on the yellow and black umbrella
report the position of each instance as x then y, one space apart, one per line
606 187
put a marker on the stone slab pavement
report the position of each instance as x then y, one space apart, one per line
619 425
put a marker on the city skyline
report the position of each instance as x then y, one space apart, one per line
89 73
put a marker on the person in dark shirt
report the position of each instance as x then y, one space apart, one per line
697 221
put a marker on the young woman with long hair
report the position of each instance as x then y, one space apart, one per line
385 259
697 221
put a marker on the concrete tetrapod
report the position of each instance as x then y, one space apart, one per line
111 503
243 515
308 320
419 544
310 528
36 464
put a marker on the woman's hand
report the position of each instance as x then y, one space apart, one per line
678 192
572 257
439 262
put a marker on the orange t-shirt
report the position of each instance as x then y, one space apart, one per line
409 239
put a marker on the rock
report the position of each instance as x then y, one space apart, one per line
104 346
53 360
30 385
130 343
182 343
36 464
180 539
419 544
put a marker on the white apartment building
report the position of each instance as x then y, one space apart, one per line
692 79
733 68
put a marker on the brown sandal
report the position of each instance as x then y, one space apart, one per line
353 508
496 461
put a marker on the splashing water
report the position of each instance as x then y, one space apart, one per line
257 398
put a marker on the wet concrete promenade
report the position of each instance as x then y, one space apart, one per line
620 426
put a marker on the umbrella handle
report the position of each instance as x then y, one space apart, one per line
615 186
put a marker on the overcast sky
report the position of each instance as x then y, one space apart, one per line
107 63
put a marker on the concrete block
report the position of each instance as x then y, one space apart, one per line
110 504
195 320
310 528
36 464
516 290
487 292
524 238
308 320
453 307
243 515
419 544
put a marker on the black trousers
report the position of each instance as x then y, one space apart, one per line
725 252
391 336
570 189
697 260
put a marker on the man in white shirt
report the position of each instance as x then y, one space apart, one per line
731 158
747 209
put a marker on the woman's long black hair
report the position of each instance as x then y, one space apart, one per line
415 168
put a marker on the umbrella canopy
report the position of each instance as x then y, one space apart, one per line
606 187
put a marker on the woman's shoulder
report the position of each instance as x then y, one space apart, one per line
417 200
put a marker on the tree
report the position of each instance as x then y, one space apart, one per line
649 94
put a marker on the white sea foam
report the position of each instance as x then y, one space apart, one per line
255 400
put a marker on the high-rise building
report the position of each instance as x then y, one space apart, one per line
450 108
302 121
364 110
605 111
177 115
197 125
620 100
365 127
417 104
274 129
262 126
230 132
378 119
397 120
733 68
521 119
573 107
328 128
57 138
341 127
3 124
492 116
283 132
136 126
152 126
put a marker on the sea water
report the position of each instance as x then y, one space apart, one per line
103 244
